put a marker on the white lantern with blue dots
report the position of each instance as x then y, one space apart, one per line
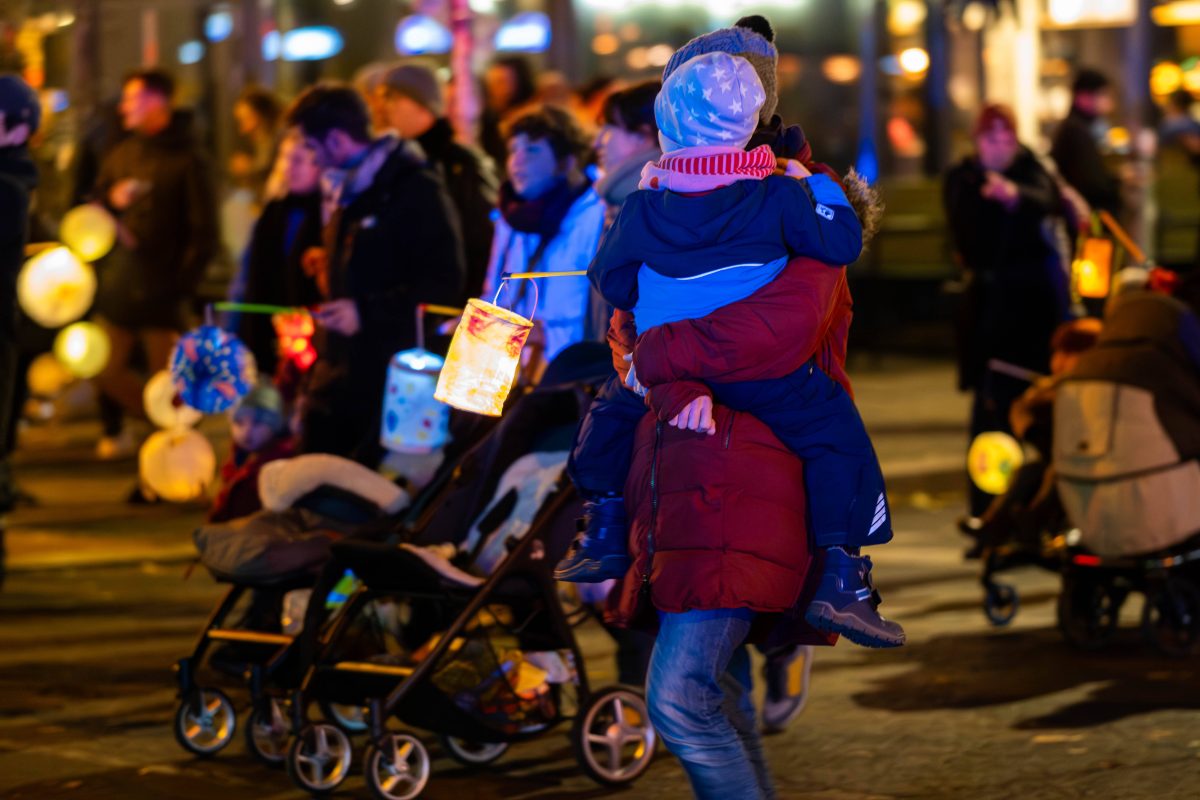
414 422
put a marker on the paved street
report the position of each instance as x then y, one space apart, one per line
96 608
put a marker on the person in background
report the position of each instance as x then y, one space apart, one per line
414 106
391 241
20 115
257 114
996 202
508 85
588 100
259 433
627 141
367 81
1076 148
157 183
551 219
1178 127
271 270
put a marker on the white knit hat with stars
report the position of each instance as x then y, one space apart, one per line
711 100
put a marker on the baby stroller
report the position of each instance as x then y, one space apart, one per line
265 557
483 655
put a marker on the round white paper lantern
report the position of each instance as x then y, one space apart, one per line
163 405
89 231
83 348
47 378
177 465
56 288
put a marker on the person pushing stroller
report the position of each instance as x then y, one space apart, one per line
717 224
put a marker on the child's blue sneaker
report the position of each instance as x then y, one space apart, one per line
600 551
845 603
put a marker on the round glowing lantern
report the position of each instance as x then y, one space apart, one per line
164 406
484 356
83 349
413 420
56 288
47 377
177 465
993 459
212 369
294 332
89 231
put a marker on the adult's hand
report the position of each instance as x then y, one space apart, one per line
1000 189
696 416
124 192
340 316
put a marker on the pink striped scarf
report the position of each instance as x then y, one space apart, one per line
702 169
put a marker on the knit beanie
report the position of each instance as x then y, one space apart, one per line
712 100
264 404
19 105
753 39
418 83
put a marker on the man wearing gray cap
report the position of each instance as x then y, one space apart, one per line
414 106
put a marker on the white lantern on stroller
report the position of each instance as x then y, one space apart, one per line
484 357
413 421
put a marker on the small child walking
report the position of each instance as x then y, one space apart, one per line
713 225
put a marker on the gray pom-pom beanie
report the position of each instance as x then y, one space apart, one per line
737 41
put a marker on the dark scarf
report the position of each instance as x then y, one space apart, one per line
544 215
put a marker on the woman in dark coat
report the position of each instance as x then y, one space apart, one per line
1000 205
271 269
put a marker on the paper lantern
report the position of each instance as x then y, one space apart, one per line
484 356
47 377
83 349
89 231
177 465
164 406
413 420
1092 269
993 459
294 334
212 369
56 288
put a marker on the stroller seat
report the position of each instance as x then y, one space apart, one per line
387 568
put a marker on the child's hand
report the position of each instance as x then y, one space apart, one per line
696 416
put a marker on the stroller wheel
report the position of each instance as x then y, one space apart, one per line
319 758
1171 618
267 733
399 770
1001 603
613 738
1088 610
352 719
473 754
205 722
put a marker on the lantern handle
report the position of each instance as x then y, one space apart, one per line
431 308
1123 237
504 280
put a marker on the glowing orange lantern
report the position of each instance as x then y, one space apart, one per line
1092 269
177 465
294 332
56 288
163 405
82 348
89 231
483 360
992 461
47 377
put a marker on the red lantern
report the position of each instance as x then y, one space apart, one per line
295 331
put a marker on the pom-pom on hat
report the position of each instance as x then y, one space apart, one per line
712 100
751 38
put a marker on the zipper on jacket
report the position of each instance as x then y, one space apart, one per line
653 506
729 432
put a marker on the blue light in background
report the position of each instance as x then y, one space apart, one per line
527 33
311 44
271 45
218 26
191 52
420 34
867 162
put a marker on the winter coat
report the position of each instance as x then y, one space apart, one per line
567 307
718 521
1080 163
747 222
271 271
18 177
472 185
1016 283
239 479
393 243
174 225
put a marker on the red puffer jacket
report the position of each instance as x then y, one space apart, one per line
719 521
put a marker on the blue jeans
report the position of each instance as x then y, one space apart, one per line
698 692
